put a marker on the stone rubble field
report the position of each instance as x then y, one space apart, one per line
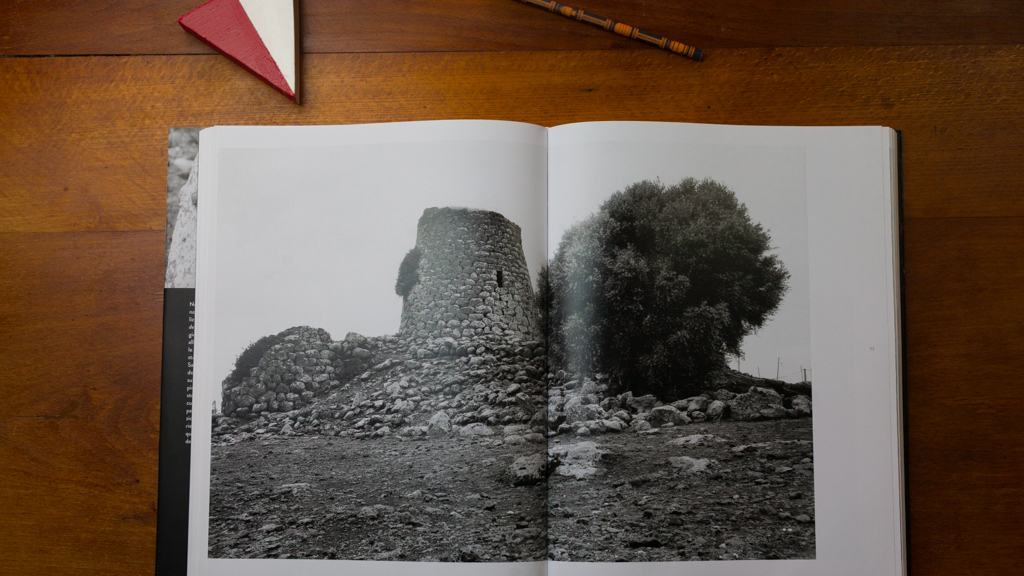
390 498
383 449
445 449
714 491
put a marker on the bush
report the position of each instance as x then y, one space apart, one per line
250 357
659 286
408 275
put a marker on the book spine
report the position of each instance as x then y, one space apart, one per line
175 432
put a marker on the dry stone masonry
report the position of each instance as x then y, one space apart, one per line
435 388
466 360
302 367
473 278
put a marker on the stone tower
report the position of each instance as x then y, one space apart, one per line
473 278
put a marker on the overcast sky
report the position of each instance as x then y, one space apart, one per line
313 235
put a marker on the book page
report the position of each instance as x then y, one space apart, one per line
366 341
723 322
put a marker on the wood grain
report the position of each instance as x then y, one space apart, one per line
80 379
965 354
82 199
84 157
149 26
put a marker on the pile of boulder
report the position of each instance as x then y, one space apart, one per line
374 387
483 386
581 406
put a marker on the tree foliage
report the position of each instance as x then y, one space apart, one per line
408 272
543 302
659 285
251 356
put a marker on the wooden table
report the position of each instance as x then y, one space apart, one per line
88 90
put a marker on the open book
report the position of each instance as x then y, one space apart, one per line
473 347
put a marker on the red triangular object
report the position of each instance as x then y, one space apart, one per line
225 27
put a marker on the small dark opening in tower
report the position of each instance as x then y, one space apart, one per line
501 279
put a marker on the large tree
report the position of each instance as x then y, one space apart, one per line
660 285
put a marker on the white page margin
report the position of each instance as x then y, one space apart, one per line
857 491
207 380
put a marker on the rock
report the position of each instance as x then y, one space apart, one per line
414 431
802 518
802 405
662 415
716 411
577 460
615 425
622 415
530 469
773 412
641 403
645 543
555 419
439 424
748 406
518 429
724 395
576 411
640 426
514 440
688 465
624 398
470 554
696 439
699 404
476 429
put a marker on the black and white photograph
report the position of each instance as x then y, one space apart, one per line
679 335
182 201
379 352
421 347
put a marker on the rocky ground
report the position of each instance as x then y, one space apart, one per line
445 449
725 490
712 491
391 498
382 449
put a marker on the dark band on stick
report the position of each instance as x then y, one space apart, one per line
618 27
